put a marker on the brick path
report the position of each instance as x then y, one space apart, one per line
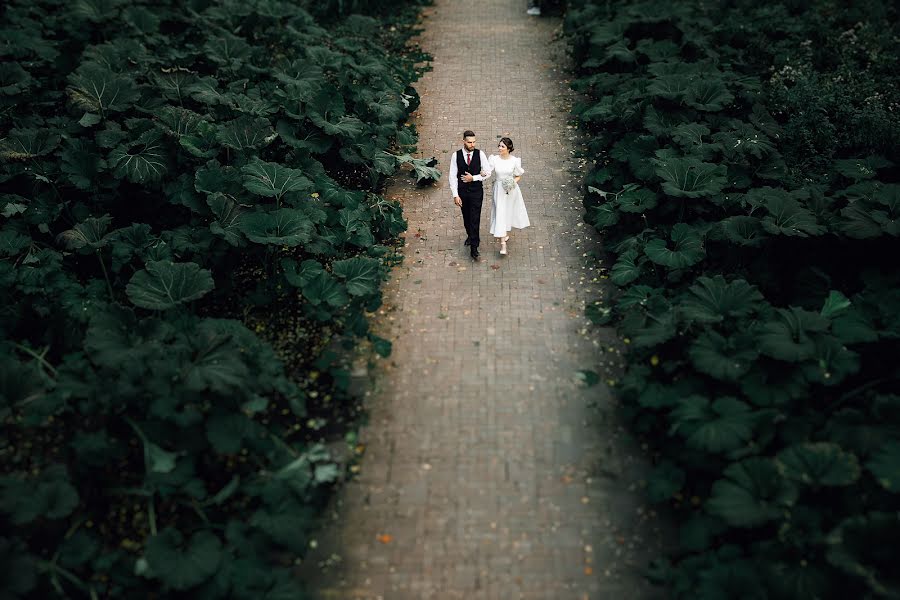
490 472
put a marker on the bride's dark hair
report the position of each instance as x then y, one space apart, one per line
507 142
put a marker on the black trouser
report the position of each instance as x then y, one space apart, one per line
471 212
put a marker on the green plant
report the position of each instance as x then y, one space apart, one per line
751 213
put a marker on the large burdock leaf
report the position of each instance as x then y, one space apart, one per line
688 248
831 363
787 217
273 179
671 87
713 300
324 288
819 463
141 161
708 94
304 138
859 169
180 564
164 284
90 233
228 217
743 230
720 426
284 227
885 466
22 144
723 358
627 268
638 200
864 547
247 133
689 177
50 495
752 493
95 88
792 335
362 275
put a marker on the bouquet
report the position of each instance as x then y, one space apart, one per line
508 184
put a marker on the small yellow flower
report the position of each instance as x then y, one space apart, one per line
626 341
654 360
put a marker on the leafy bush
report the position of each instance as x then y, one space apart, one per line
191 234
743 183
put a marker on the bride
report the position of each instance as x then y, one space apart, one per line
508 208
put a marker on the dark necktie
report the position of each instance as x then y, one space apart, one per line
468 158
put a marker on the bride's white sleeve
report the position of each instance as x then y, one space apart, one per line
518 170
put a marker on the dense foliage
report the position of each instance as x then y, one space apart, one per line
744 182
191 229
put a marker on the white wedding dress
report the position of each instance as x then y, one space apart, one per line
507 209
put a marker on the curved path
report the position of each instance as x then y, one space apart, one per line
490 471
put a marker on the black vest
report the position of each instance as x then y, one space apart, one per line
474 168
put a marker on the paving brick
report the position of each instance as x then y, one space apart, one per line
496 474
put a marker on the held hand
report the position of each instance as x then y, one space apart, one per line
483 173
457 201
467 178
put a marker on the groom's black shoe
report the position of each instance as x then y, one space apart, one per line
468 242
474 253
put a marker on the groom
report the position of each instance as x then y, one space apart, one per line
468 168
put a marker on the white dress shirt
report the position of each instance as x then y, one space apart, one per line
454 175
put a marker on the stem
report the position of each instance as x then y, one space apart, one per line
38 357
106 276
54 569
151 514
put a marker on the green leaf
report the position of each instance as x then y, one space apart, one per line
708 94
326 473
752 493
311 139
273 179
18 570
323 288
743 230
791 337
690 177
885 466
12 243
664 481
228 217
787 217
859 169
164 284
141 161
603 216
699 531
423 171
818 464
638 200
90 233
836 304
23 144
862 547
362 275
626 269
688 248
50 495
247 133
227 432
726 359
723 425
714 300
283 227
179 564
97 89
